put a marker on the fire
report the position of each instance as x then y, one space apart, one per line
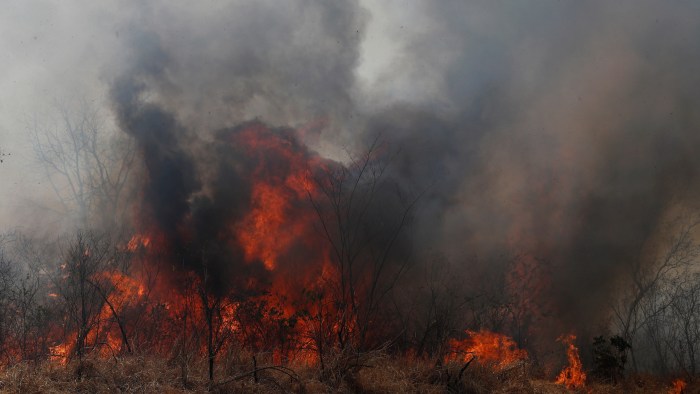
489 348
269 229
279 223
572 376
61 353
286 307
126 288
120 291
138 241
678 387
262 233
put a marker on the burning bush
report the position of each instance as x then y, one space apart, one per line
491 349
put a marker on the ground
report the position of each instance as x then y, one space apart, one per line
379 374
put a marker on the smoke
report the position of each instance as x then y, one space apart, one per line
286 63
560 132
188 78
564 133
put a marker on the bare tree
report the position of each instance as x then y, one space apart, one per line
24 319
435 309
85 163
362 216
647 296
215 306
32 315
685 308
7 278
83 289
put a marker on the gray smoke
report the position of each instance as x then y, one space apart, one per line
564 132
188 78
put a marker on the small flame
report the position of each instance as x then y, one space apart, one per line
138 241
678 387
489 348
60 353
572 376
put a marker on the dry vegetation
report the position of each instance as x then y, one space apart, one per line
380 374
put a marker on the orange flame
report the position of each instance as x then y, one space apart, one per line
124 291
496 350
276 316
138 241
61 353
678 387
269 230
262 233
572 376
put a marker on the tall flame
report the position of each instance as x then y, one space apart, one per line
572 376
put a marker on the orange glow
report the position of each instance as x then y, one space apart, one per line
60 353
121 291
572 376
262 233
275 316
489 348
678 387
138 241
275 220
279 220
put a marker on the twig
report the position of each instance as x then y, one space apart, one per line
287 371
464 368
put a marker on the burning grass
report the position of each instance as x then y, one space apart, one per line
381 373
488 348
290 291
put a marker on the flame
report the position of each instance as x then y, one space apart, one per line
122 291
138 241
496 350
678 387
280 220
269 229
572 376
60 353
279 230
262 233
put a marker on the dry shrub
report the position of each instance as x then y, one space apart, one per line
478 378
132 374
368 373
384 375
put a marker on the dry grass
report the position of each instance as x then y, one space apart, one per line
376 374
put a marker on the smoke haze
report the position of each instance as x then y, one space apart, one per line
564 133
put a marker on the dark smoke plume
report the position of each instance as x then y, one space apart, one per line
565 133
